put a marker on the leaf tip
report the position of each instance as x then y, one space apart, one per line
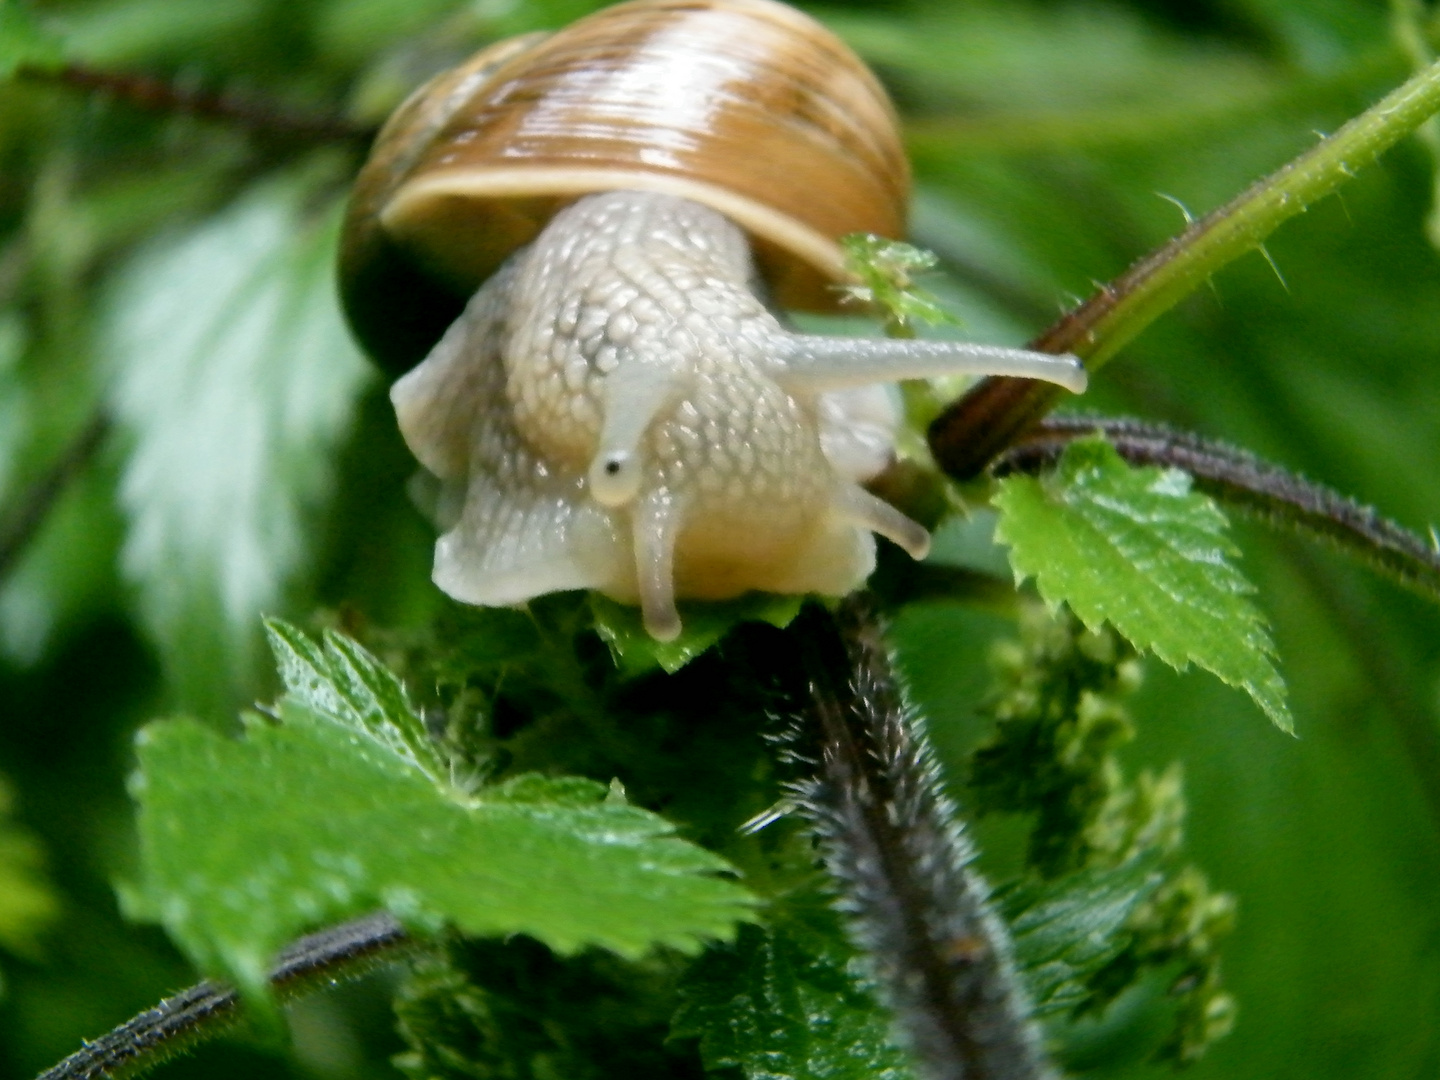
1279 713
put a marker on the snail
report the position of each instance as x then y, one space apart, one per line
617 406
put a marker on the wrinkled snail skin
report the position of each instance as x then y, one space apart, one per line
616 410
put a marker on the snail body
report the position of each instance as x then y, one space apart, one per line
616 408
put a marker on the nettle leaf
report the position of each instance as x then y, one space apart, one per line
342 680
886 270
332 812
23 42
234 380
1067 930
784 1003
1138 549
703 623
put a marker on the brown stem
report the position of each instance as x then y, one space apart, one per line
997 411
157 95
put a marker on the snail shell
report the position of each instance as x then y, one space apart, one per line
616 408
746 106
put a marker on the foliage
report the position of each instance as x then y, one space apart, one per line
887 269
636 652
164 271
1138 549
344 806
1068 932
1058 702
1102 849
215 505
788 1000
483 1008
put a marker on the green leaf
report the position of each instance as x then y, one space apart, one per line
1139 549
234 380
886 269
1067 930
783 1003
344 681
330 813
703 624
23 43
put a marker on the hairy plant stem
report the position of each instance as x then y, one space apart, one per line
205 1009
1239 479
158 95
968 435
893 843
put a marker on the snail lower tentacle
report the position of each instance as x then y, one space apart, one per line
632 419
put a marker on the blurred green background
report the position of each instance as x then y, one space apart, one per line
171 275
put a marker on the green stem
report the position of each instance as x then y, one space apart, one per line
968 435
1407 19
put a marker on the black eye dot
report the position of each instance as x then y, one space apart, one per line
612 467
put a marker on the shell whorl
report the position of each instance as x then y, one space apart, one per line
746 106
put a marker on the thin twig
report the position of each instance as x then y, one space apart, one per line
23 520
991 417
181 1021
1256 487
157 95
892 841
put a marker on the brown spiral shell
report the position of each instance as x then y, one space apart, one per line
747 106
